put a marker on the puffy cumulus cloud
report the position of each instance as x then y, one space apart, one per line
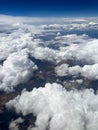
86 51
83 56
18 37
44 53
15 124
16 69
72 39
58 109
10 44
65 70
90 71
87 71
62 70
65 47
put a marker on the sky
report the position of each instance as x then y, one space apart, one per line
50 8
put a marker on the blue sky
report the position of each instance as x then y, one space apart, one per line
46 8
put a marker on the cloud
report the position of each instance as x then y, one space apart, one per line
14 124
87 71
72 38
44 53
62 70
37 20
59 109
17 68
45 41
90 71
62 42
82 52
86 51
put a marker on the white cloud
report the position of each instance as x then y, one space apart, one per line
37 20
86 51
54 106
90 71
87 71
15 70
59 109
65 70
19 33
14 124
62 70
73 38
44 53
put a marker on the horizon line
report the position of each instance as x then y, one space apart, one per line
33 16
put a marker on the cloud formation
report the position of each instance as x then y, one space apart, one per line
16 69
55 42
58 109
14 124
87 71
73 51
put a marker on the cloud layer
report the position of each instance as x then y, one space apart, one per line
68 49
57 42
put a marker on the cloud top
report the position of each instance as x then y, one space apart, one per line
15 70
58 109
